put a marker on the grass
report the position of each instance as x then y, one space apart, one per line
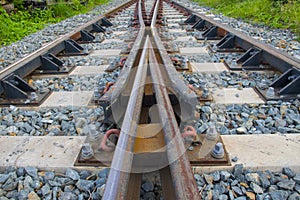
23 22
281 14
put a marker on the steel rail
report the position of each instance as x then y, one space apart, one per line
119 175
129 64
183 181
187 98
184 184
114 99
271 53
43 50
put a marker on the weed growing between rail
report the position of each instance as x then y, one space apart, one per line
274 13
21 23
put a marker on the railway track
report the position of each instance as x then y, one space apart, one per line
161 109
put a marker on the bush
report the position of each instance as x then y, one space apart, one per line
24 22
275 13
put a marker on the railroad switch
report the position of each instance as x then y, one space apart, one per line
150 149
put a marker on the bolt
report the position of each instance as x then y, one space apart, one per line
33 96
270 92
233 62
42 90
87 151
218 151
291 78
211 133
93 133
97 38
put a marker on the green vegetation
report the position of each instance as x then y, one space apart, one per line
21 23
274 13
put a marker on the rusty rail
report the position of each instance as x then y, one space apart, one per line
125 79
129 64
178 172
118 179
184 184
186 97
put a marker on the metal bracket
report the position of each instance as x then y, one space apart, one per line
226 44
106 105
211 33
50 64
16 91
200 25
286 87
191 20
155 151
252 59
105 22
97 28
86 36
288 83
72 48
15 87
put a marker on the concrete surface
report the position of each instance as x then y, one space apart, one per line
256 152
185 39
106 52
119 32
193 50
89 70
108 41
261 152
175 16
171 12
177 20
228 96
176 31
208 67
173 25
41 151
68 98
